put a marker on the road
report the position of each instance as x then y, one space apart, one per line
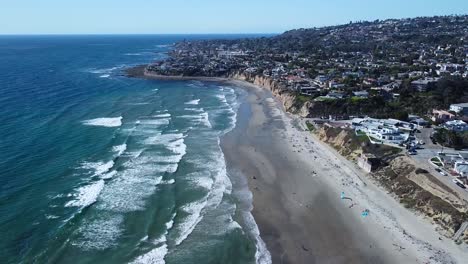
430 150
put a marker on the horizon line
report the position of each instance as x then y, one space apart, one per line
130 34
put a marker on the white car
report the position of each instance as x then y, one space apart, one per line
459 183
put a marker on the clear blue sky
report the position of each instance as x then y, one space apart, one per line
203 16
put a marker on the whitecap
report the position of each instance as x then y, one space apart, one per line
168 182
193 102
202 118
120 149
155 256
104 76
98 167
87 195
52 217
162 115
221 97
185 228
99 234
109 175
195 109
156 122
104 122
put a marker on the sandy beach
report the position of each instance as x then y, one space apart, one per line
297 184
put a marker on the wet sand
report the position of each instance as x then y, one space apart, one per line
296 183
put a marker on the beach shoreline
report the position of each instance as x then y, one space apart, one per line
297 180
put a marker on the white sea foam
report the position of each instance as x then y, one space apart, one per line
104 76
98 167
105 70
127 192
52 217
193 102
120 149
185 228
168 182
87 195
163 139
205 119
200 179
99 234
104 122
155 256
156 122
155 90
202 118
221 97
163 45
199 110
162 115
109 175
177 146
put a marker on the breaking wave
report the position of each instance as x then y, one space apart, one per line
104 122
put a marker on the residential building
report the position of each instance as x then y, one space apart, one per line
460 109
441 116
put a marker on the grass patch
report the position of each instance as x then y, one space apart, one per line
356 99
310 127
437 162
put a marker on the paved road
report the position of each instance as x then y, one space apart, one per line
430 150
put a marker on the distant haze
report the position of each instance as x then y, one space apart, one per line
204 16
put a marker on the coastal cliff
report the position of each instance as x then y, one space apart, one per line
415 188
286 97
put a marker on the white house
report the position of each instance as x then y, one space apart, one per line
461 167
361 94
461 109
456 125
389 131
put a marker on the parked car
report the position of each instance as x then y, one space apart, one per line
441 172
459 183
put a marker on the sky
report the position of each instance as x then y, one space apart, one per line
203 16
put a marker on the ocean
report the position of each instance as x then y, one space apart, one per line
96 167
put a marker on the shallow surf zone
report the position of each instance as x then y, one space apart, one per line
161 193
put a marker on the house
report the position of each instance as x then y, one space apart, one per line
321 79
308 89
361 94
461 167
441 116
456 125
388 131
421 85
460 109
335 95
418 121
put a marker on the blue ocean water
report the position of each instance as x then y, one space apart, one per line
96 167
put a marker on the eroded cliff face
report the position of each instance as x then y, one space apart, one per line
415 188
419 190
342 140
287 97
